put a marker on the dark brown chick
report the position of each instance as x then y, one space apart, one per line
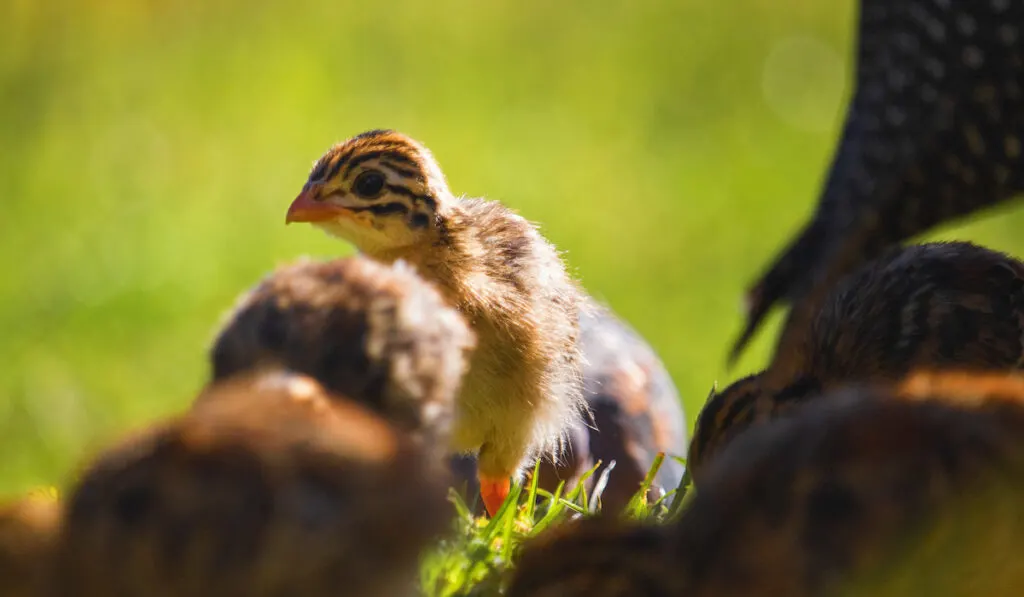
934 131
270 488
902 492
637 414
28 527
913 491
372 332
936 305
385 193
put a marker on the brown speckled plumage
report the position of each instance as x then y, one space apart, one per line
270 488
637 413
934 131
28 527
869 492
936 305
385 193
637 409
916 490
373 332
727 414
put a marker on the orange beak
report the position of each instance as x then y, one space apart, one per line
306 208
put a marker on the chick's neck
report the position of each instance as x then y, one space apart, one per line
441 257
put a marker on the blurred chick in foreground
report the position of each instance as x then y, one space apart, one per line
936 305
270 488
904 491
637 414
372 332
28 527
934 131
384 193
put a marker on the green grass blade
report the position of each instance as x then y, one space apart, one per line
637 507
573 506
531 501
553 511
506 538
682 492
579 493
461 509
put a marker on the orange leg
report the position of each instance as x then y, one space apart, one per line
493 491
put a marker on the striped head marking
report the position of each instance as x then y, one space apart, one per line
724 415
379 190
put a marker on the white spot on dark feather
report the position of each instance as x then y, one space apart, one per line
897 79
966 24
973 57
1008 34
907 42
974 140
895 116
936 30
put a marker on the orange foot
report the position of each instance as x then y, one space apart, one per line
493 491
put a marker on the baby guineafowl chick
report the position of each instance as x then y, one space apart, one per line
28 527
270 488
936 305
383 192
934 131
913 491
372 332
891 492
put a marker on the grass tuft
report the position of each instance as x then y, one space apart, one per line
477 557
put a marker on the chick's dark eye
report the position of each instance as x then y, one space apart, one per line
369 184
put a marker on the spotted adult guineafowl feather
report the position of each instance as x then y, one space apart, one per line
934 131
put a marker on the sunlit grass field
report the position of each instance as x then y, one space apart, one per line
150 150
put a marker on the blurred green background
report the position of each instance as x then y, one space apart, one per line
151 148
